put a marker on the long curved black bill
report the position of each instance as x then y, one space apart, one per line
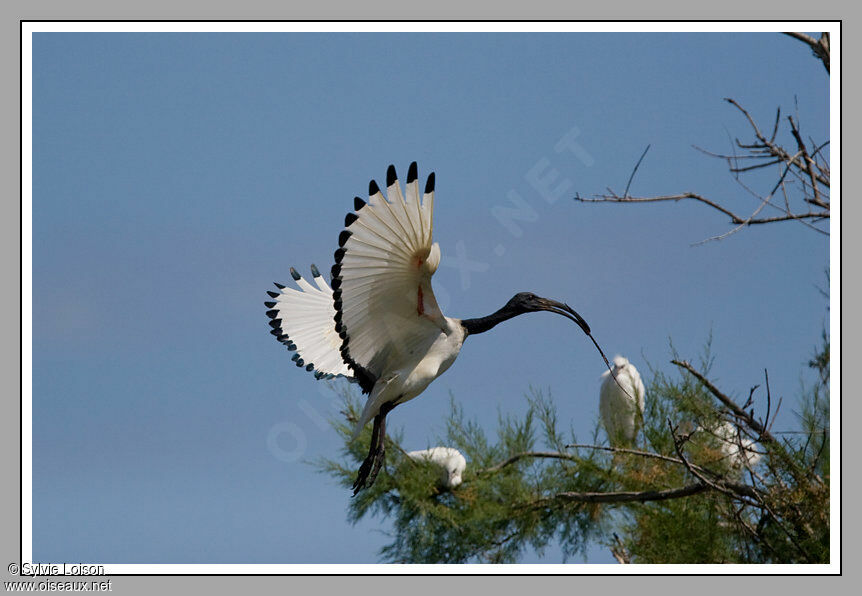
561 308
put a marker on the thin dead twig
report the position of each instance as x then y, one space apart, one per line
618 550
637 165
768 147
808 161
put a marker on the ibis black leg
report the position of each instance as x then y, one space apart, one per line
376 452
367 464
380 452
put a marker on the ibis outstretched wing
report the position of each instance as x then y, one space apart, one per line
381 280
303 320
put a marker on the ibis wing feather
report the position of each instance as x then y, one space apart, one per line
305 319
386 307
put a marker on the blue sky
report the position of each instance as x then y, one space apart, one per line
176 176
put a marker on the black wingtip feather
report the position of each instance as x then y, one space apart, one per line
272 294
315 272
373 189
429 185
412 173
269 304
279 286
391 176
361 375
293 273
275 323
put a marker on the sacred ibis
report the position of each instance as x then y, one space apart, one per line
450 461
379 324
621 402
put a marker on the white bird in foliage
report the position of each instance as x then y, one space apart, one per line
621 402
452 464
737 449
379 324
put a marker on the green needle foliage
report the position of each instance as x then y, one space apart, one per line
706 483
491 516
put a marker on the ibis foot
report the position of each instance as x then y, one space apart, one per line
363 474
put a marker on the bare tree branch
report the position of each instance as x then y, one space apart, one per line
817 200
734 218
803 169
732 490
727 402
647 454
740 489
768 147
820 47
764 435
527 454
567 456
626 496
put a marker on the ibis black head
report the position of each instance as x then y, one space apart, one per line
524 302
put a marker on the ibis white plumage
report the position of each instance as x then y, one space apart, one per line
450 461
379 323
621 402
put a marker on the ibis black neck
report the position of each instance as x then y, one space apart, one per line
483 324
